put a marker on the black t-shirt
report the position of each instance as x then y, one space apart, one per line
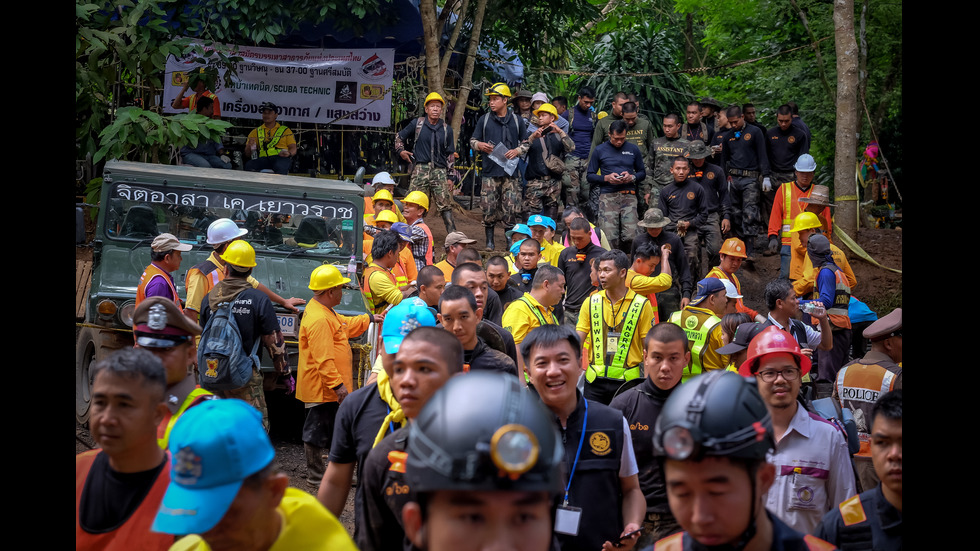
509 294
253 312
358 420
641 405
493 310
386 491
482 357
110 497
574 263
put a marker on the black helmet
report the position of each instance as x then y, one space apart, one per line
481 432
716 414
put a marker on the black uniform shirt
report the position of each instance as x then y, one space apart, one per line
786 147
715 185
745 149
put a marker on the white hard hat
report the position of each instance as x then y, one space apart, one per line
223 230
382 179
730 290
805 163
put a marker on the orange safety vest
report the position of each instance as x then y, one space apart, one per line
207 94
428 251
858 387
211 273
376 307
149 273
135 531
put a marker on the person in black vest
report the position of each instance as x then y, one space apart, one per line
602 500
665 355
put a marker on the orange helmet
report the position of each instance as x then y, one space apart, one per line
733 247
773 340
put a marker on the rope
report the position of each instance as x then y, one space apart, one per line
364 363
856 249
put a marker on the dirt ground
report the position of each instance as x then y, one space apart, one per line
879 288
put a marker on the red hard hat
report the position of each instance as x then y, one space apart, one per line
773 340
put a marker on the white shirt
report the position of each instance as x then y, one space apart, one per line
813 472
627 461
813 336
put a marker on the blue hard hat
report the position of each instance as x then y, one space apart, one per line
518 228
400 320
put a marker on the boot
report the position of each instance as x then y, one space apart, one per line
447 217
551 211
315 466
489 230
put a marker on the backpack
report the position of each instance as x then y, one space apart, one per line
222 361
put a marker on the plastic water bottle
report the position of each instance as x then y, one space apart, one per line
352 265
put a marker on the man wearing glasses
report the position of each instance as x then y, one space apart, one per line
813 467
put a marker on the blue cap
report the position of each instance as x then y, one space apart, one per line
402 230
540 220
518 228
400 320
214 447
707 286
515 249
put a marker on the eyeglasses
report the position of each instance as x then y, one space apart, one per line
789 374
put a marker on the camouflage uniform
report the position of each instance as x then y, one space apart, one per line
431 181
576 185
541 192
664 150
500 199
617 215
253 392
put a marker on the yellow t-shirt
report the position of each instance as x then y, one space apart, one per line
306 524
519 319
614 315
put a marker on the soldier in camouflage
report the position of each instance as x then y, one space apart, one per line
434 152
543 185
500 197
664 150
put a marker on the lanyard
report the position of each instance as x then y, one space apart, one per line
585 423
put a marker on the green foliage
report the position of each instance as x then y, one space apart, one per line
137 133
729 31
93 192
541 32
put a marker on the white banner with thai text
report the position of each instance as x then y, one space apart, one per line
349 87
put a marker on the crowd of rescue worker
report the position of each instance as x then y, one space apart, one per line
599 382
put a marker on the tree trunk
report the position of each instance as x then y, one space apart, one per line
454 37
688 40
467 80
847 82
862 67
431 34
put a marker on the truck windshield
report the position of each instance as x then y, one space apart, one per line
287 225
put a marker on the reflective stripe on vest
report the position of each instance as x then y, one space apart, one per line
785 235
537 312
377 307
270 150
193 102
169 423
617 369
698 337
149 273
851 511
866 386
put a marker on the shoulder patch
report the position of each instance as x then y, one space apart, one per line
816 544
851 511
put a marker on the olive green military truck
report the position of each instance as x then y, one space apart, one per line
294 223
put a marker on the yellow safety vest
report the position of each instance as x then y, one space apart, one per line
617 369
698 333
162 441
270 150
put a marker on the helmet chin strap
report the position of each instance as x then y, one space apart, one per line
743 539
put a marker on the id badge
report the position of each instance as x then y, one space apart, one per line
567 519
612 341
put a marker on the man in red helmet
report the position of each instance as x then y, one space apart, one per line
813 467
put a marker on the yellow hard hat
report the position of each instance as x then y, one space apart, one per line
239 253
499 89
418 198
326 276
434 96
601 115
805 221
383 195
733 246
547 108
386 216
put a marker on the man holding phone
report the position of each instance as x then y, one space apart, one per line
617 167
